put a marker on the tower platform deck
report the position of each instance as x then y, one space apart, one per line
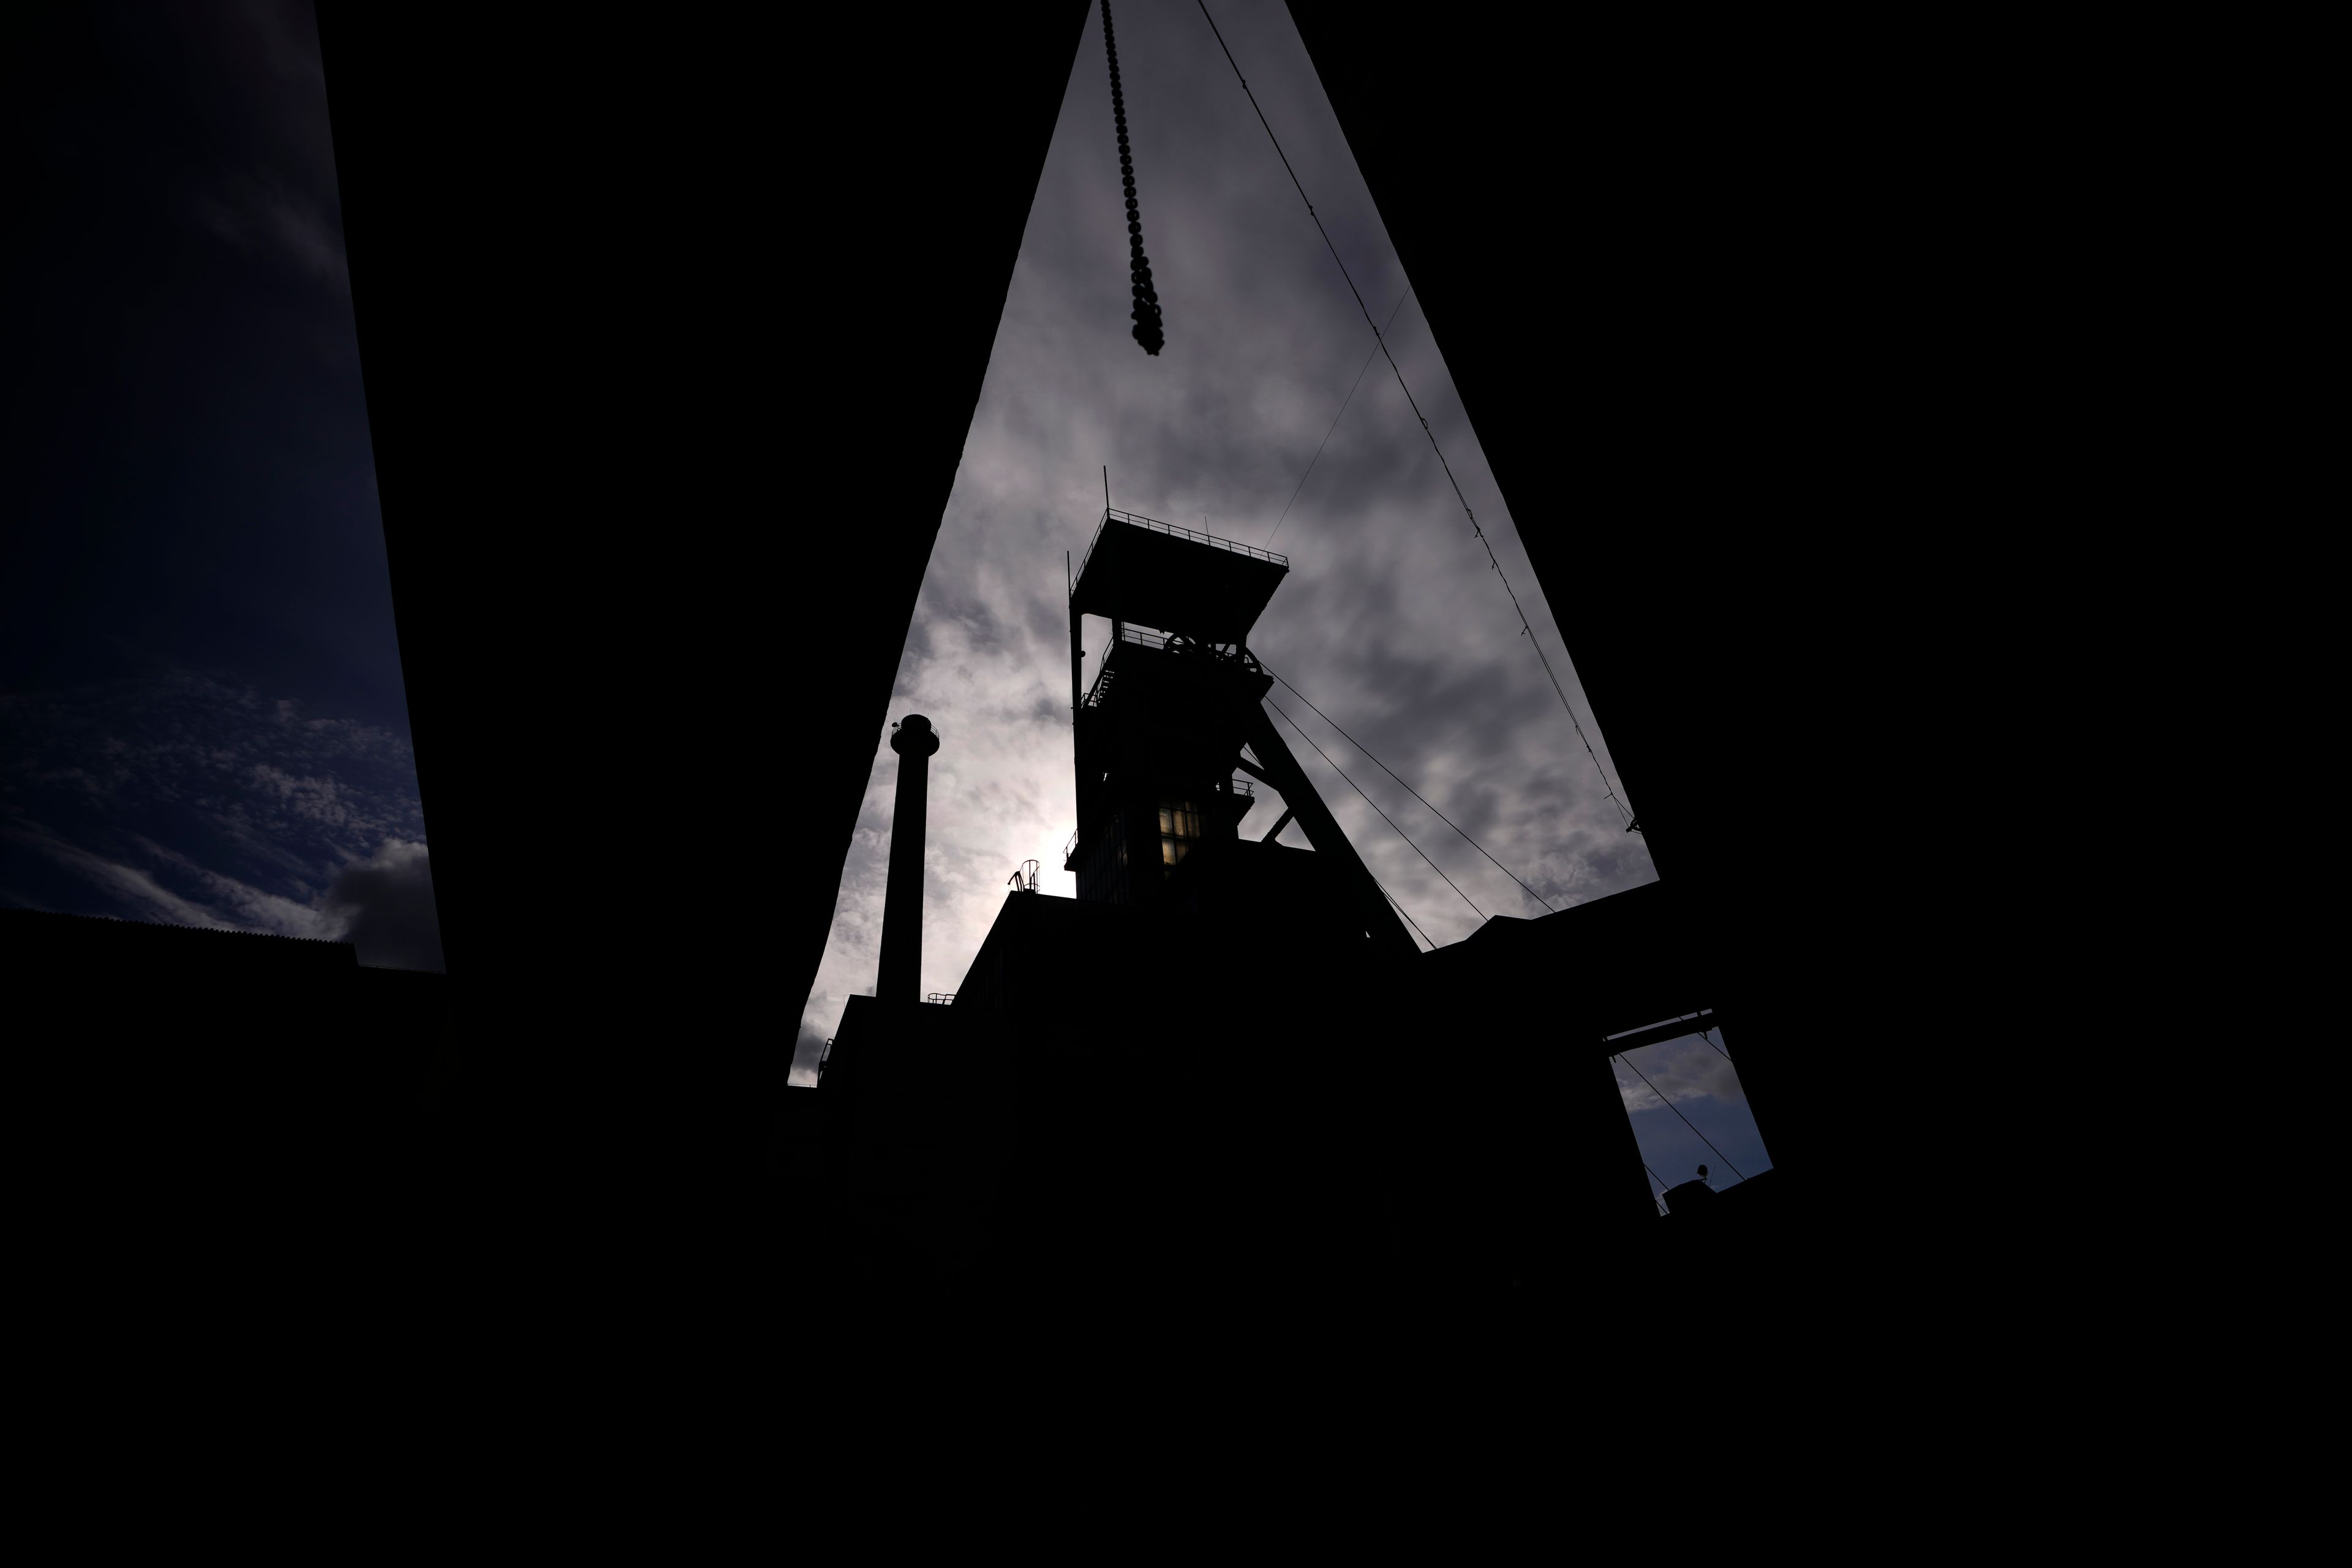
1176 579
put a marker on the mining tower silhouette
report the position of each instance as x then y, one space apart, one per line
1226 1064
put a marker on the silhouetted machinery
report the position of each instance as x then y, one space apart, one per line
1226 1061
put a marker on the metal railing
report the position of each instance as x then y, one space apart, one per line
941 997
1070 850
1164 643
1111 515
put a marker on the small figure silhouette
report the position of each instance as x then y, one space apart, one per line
1702 1173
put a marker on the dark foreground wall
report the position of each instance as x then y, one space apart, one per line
671 337
1126 1102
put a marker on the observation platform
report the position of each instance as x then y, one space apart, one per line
1175 579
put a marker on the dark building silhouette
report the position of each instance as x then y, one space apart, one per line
120 954
216 1128
1226 1062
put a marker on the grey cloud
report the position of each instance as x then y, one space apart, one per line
1391 619
384 907
130 887
1680 1070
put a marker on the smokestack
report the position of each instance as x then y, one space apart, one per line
901 976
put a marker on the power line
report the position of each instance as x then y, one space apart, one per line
1335 419
1525 629
1384 815
1416 795
1678 1111
1400 909
1654 1197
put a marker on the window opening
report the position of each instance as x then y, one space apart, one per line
1180 830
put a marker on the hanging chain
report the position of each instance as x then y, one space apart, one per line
1147 299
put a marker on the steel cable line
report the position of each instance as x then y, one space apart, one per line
1416 795
1525 629
1400 833
1335 421
1655 1197
1670 1105
1400 909
1718 1049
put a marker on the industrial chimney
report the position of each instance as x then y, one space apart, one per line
900 977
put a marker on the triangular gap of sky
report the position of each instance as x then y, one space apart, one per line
1391 619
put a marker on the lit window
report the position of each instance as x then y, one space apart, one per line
1179 827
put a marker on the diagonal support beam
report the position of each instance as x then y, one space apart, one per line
1279 823
1284 774
1672 1029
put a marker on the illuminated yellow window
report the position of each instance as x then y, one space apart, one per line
1179 827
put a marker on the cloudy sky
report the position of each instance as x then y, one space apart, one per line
1391 620
202 719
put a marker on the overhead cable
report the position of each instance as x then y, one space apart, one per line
1654 1197
1400 909
1335 421
1670 1105
1526 629
1400 833
1416 795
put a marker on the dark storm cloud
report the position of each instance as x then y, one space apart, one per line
1391 619
384 906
